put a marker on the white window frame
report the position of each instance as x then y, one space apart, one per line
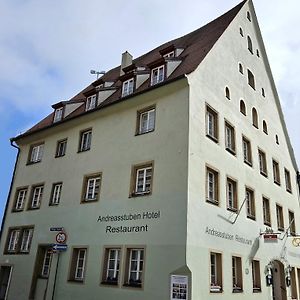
266 211
91 102
170 54
36 153
247 151
250 203
85 140
116 264
288 183
148 117
56 193
20 200
276 171
13 242
80 264
212 123
94 184
46 263
127 87
58 114
231 196
262 162
280 217
61 148
229 137
213 272
27 235
212 186
159 76
146 182
37 195
139 265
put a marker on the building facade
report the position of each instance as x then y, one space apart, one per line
170 177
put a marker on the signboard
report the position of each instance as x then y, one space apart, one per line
61 237
59 247
296 242
270 238
56 229
179 287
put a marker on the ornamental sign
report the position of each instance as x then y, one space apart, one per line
270 238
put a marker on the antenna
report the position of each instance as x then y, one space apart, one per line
94 72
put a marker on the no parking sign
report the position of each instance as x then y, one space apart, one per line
61 237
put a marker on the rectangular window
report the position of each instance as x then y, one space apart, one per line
266 211
231 195
58 114
294 294
170 54
247 151
145 120
212 124
250 204
215 272
292 223
280 220
78 263
85 140
20 198
262 162
288 184
19 240
91 102
36 197
46 263
256 276
157 75
229 138
134 267
111 266
56 193
61 148
142 179
127 87
276 172
91 187
36 153
212 186
237 275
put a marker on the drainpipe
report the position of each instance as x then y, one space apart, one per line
10 188
298 182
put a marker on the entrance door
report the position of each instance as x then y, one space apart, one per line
279 287
5 274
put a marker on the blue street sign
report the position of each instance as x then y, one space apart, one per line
59 247
56 229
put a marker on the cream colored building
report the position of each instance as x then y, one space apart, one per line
170 177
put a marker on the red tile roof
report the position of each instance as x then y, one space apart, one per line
196 45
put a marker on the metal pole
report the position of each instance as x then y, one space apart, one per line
58 255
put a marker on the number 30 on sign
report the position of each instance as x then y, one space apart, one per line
61 237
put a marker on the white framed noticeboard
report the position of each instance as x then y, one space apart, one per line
179 287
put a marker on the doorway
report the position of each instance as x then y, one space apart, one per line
279 287
5 275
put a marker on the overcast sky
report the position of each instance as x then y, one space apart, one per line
47 48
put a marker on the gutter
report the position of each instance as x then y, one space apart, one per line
10 188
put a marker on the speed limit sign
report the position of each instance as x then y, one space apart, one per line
61 237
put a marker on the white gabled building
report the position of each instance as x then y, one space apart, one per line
170 177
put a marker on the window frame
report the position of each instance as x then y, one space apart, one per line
214 185
85 187
276 172
250 45
243 109
254 117
74 264
116 266
58 151
85 145
212 125
46 265
234 192
128 87
266 211
247 151
250 203
292 222
147 110
17 198
279 217
256 278
262 161
230 143
54 195
58 114
161 77
35 156
237 274
39 196
288 182
91 102
251 79
216 267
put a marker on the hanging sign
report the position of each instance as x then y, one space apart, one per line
179 287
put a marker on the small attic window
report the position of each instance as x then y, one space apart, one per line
248 16
263 92
265 127
91 102
243 107
241 69
241 31
127 88
257 53
250 47
227 93
58 113
157 75
170 54
251 79
277 140
254 117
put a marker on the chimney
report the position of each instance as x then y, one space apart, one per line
126 61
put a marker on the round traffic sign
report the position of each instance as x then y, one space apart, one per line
61 237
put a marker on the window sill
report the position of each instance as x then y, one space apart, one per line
53 204
232 209
83 201
145 132
133 285
110 283
79 281
251 217
58 156
134 195
33 208
257 290
289 191
231 151
213 138
249 163
216 289
214 202
267 224
17 210
237 290
277 182
264 174
280 229
33 162
85 150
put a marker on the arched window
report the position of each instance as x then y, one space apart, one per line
241 31
248 16
263 92
254 118
257 53
227 93
251 80
250 47
241 69
265 127
277 140
243 107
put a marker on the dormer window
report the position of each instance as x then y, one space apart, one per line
127 87
170 54
157 75
58 114
91 102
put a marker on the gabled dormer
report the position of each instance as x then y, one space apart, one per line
58 111
100 92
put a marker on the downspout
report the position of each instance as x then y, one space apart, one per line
298 182
10 188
